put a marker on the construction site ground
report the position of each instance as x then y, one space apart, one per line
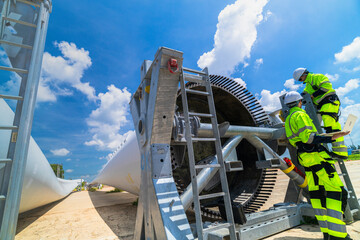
108 216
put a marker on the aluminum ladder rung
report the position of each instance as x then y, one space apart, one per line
211 195
197 92
204 139
5 160
199 166
217 227
20 22
8 127
2 197
29 3
193 78
16 44
201 114
11 97
18 70
194 71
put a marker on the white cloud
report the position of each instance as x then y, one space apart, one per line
290 84
60 152
240 81
349 52
268 15
332 78
347 101
349 86
271 101
235 35
259 62
68 160
106 121
60 72
69 170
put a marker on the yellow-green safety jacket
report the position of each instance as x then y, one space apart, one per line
319 86
299 127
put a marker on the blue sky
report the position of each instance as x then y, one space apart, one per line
94 50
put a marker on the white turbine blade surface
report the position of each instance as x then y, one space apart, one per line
123 169
41 186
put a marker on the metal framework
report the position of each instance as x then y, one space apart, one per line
22 36
161 211
160 214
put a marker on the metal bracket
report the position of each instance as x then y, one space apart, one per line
233 166
270 163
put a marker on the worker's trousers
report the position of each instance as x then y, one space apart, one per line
327 194
331 124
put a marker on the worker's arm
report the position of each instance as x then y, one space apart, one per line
321 85
305 128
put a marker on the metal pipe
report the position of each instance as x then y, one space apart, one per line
260 145
205 130
206 174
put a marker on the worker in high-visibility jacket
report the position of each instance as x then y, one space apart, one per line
327 194
327 102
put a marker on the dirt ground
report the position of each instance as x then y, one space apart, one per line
109 216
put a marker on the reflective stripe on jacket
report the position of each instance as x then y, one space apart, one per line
299 127
316 82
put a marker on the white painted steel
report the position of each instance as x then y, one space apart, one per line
41 186
123 169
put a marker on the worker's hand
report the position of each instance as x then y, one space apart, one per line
312 97
340 134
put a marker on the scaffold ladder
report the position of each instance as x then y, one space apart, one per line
25 60
202 77
352 211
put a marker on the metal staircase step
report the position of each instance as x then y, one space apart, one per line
204 139
201 114
211 195
20 22
207 166
29 3
193 78
216 227
5 160
18 70
8 127
194 71
15 44
197 92
11 97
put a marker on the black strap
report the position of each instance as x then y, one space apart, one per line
331 114
329 99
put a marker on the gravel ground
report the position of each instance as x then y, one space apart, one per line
109 216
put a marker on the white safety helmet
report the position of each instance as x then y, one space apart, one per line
292 97
298 72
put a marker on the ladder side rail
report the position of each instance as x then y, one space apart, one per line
352 201
12 203
223 178
199 225
4 13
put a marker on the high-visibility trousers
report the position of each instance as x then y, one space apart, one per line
327 194
331 124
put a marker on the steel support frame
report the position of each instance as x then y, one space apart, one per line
11 208
160 213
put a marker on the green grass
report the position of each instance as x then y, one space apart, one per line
354 157
115 190
93 189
